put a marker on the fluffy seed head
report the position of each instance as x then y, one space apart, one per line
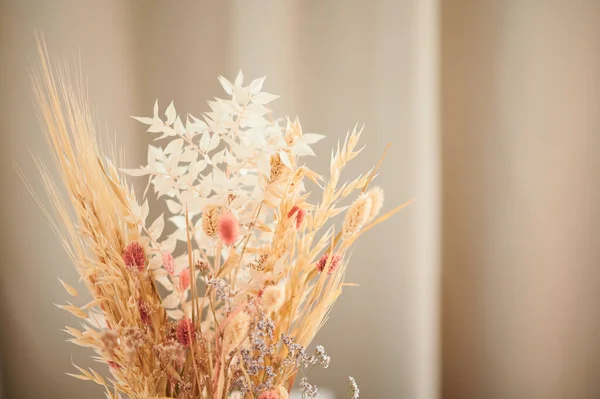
169 353
282 392
357 215
324 261
236 330
376 195
109 339
273 297
210 220
185 332
229 229
134 256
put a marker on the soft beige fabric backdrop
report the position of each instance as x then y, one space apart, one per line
521 166
515 159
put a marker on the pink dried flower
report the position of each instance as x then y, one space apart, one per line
170 330
168 263
203 266
184 279
229 228
145 311
300 214
134 256
169 353
270 394
185 332
300 217
292 211
324 261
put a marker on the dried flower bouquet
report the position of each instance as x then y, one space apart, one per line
226 305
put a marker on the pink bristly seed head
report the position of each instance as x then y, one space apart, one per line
292 211
184 279
270 394
300 217
324 261
168 262
229 229
300 214
134 257
185 332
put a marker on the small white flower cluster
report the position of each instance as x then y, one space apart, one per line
353 391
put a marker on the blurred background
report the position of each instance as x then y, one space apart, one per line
487 287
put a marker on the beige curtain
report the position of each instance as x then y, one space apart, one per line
521 146
506 181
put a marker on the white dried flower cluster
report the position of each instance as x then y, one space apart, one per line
353 391
223 159
308 390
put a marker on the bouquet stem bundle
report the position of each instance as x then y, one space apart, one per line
227 304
